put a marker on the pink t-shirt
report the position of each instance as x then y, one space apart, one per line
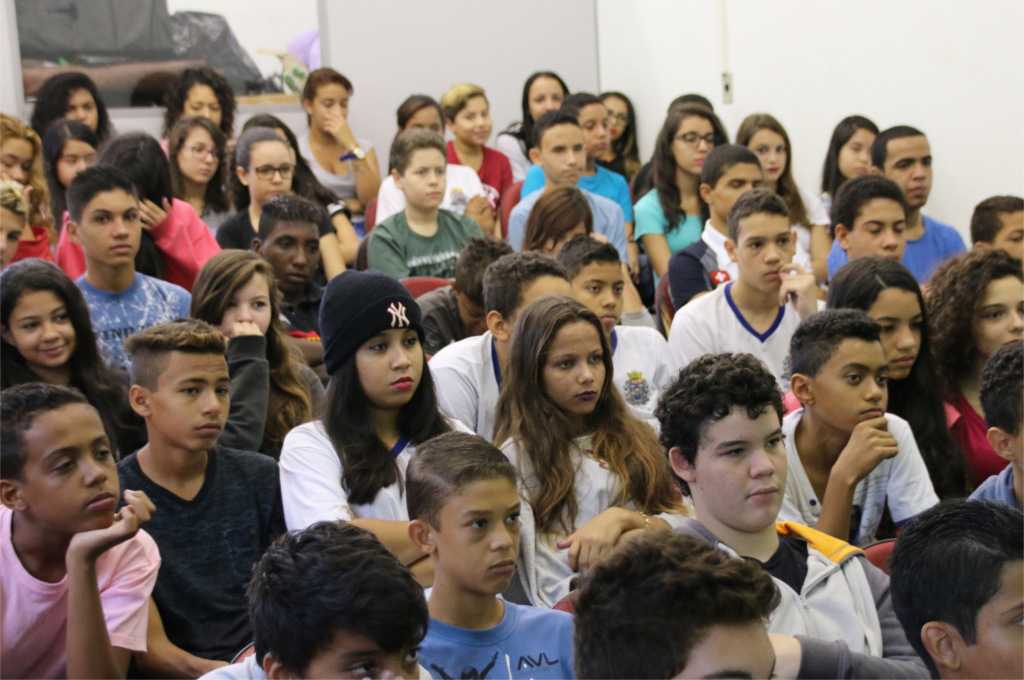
34 614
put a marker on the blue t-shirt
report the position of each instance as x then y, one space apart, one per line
650 219
115 316
998 488
604 182
938 243
538 643
608 220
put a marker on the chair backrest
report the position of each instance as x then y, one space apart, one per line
361 254
568 603
878 553
421 285
371 215
663 306
508 200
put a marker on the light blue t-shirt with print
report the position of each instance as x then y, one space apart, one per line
115 316
537 642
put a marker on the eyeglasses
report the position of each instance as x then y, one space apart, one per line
620 117
267 171
693 139
200 151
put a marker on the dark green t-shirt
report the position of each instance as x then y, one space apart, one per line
396 249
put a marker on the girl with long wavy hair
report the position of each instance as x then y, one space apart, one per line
671 215
848 155
195 149
590 471
350 464
622 155
890 295
975 306
765 136
271 390
21 159
543 91
46 335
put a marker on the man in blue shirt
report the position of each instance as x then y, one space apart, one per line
560 152
902 154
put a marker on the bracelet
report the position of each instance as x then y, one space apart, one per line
647 519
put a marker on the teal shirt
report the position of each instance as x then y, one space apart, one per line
397 250
650 219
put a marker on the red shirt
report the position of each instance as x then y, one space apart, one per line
495 172
38 246
970 429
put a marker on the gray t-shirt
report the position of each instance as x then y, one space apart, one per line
397 250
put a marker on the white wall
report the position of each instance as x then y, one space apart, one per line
390 49
953 69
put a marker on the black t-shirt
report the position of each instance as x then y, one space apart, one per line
237 231
789 563
208 546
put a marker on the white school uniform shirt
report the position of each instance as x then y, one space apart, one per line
643 369
467 380
902 480
716 244
712 324
461 184
311 481
543 566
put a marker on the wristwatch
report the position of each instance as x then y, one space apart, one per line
356 153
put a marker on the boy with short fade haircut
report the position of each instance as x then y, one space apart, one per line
758 312
559 148
424 239
468 118
464 505
467 373
729 171
289 240
669 606
75 573
105 221
721 423
643 363
455 312
958 588
848 458
998 222
869 216
219 508
1002 383
330 601
592 115
903 154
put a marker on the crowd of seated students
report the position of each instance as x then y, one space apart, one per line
241 415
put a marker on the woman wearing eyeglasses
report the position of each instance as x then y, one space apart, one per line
196 149
265 167
672 214
765 136
622 155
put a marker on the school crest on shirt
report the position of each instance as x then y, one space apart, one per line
638 392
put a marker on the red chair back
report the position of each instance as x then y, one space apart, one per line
568 603
878 553
508 200
371 215
665 310
421 285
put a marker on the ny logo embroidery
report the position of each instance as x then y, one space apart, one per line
398 316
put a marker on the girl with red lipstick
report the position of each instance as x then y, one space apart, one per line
46 335
271 391
890 295
848 156
604 473
765 136
350 464
976 306
622 155
671 216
